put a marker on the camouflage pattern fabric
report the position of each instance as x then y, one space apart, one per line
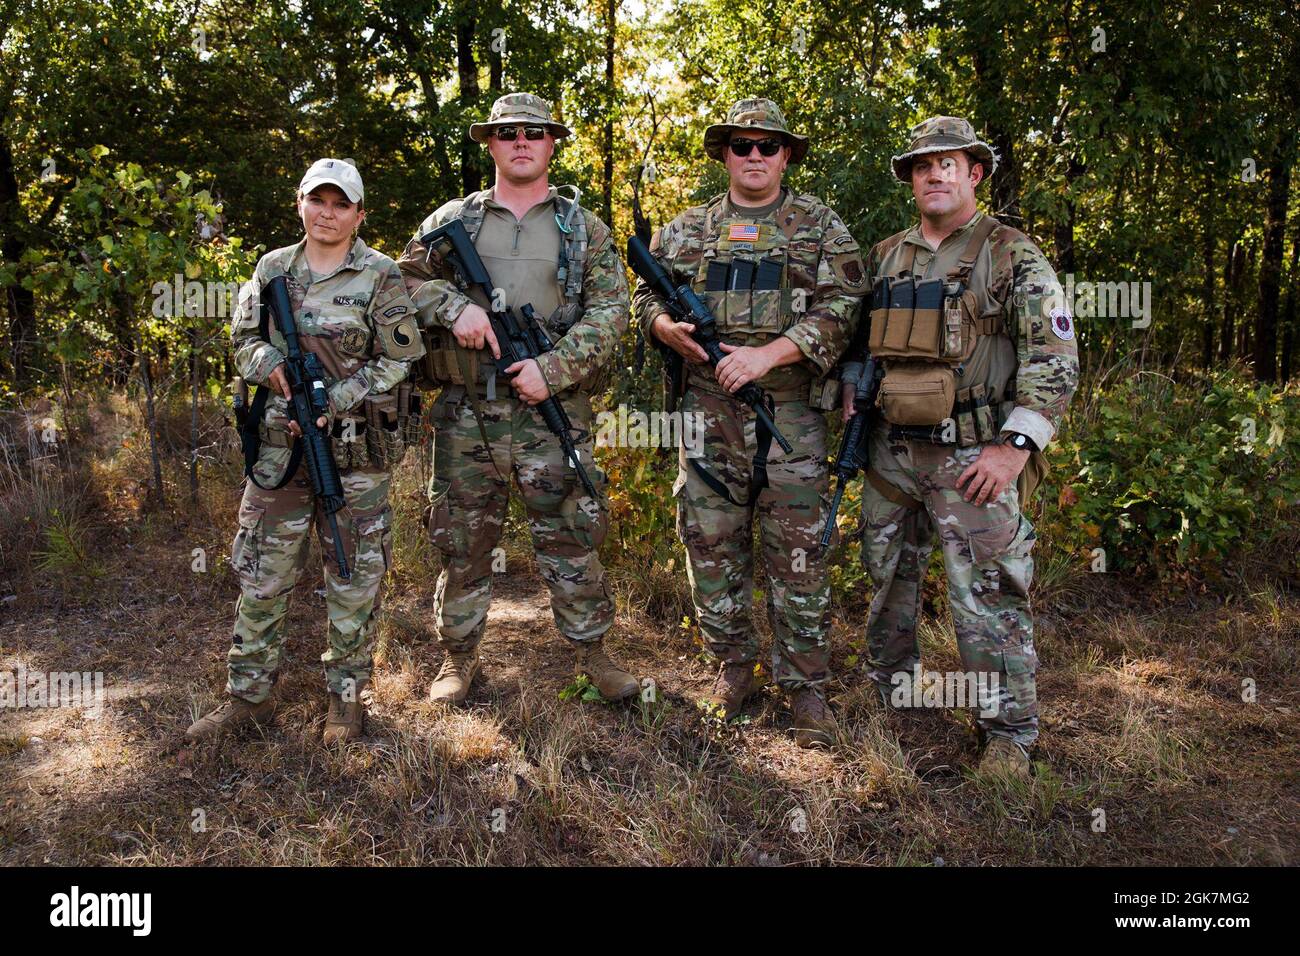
469 500
1030 369
1033 365
823 280
986 555
469 491
790 512
358 320
588 346
269 554
361 324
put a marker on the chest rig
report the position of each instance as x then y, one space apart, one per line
925 330
448 364
752 274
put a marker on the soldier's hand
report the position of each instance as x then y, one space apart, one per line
989 475
677 336
473 330
741 365
528 382
848 392
297 432
280 382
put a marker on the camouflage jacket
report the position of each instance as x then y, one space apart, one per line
588 345
1032 363
822 280
358 320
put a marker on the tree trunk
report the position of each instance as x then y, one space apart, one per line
19 302
1233 270
471 176
1207 263
194 413
1289 320
1005 186
151 422
607 174
1270 267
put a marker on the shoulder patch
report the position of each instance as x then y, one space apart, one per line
1062 323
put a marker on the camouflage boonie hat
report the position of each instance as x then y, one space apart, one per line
941 133
753 114
520 109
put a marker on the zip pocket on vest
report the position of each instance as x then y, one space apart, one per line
917 393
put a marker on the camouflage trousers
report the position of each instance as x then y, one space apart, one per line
469 498
269 553
719 535
986 555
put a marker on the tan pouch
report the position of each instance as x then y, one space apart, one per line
898 330
924 336
879 318
959 326
824 394
965 415
917 393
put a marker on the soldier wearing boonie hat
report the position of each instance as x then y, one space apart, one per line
977 344
544 249
783 277
352 310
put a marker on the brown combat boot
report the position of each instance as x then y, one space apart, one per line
458 671
346 720
233 714
612 681
814 724
734 683
1004 757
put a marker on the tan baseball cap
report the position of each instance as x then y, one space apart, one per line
519 109
336 172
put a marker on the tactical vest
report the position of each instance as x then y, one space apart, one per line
748 274
926 330
448 364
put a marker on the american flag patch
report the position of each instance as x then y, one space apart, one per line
742 233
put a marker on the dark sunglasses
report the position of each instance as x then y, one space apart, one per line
509 134
767 147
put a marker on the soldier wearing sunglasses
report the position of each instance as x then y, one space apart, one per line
541 248
783 278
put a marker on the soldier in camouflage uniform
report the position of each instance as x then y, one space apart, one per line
353 312
979 363
783 277
542 248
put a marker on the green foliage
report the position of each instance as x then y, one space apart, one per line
1169 475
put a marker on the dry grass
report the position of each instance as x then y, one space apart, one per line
1170 718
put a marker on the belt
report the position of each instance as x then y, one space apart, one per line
927 433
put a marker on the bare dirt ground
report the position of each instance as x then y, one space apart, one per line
1149 753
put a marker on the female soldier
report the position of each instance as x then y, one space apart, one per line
353 312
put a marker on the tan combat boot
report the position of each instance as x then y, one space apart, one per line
1004 757
346 721
234 714
814 724
734 683
458 671
612 681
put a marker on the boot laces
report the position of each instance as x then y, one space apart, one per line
455 665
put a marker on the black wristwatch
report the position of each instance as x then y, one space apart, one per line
1023 442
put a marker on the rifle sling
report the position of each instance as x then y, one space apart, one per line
252 442
757 478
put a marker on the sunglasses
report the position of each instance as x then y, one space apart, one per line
766 147
509 134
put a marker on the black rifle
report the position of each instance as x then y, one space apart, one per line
308 402
518 341
853 455
684 305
